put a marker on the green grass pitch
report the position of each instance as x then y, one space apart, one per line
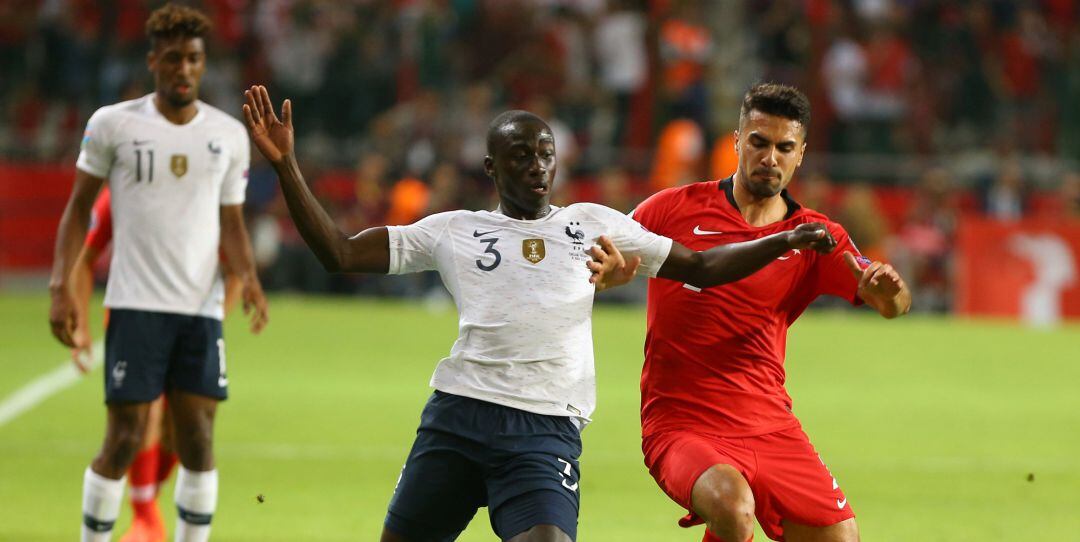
931 425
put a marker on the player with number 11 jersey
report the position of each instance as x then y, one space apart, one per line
167 183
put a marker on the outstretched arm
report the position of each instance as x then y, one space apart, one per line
368 252
729 263
718 265
881 287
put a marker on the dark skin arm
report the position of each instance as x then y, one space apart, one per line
63 310
241 264
368 252
728 263
718 265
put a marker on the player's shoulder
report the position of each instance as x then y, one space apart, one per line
595 211
690 191
804 215
114 113
447 218
216 116
681 196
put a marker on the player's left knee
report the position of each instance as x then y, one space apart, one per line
194 445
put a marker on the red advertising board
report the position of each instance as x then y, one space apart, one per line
1029 269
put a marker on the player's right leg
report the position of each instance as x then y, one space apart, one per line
147 524
707 478
441 485
135 361
103 483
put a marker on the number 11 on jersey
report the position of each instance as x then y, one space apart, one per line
139 165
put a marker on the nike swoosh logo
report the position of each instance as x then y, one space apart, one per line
699 231
788 257
478 233
143 142
840 503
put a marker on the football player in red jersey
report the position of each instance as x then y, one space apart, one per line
718 432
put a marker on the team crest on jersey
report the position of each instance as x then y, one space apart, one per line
573 231
533 250
178 164
577 242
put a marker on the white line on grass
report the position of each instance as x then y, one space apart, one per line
45 386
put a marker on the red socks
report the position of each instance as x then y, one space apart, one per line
143 476
151 467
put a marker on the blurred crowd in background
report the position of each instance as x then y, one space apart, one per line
922 109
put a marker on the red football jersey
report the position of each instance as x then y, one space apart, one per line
714 358
100 232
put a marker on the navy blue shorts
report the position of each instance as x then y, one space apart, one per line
148 352
470 453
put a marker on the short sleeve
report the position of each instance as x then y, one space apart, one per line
632 239
412 247
98 151
100 232
236 177
832 273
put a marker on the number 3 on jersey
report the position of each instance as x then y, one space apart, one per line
490 242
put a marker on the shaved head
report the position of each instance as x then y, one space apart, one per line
521 161
503 124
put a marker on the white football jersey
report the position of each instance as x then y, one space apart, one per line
168 183
524 299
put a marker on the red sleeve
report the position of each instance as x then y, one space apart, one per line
833 275
652 212
100 232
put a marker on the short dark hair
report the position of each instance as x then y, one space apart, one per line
779 100
506 118
172 21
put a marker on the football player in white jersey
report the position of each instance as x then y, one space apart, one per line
502 428
177 171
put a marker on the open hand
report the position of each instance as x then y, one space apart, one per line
812 235
879 280
609 268
273 137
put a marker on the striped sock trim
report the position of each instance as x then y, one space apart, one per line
194 518
97 525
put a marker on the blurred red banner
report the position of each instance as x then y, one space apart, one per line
1028 269
32 198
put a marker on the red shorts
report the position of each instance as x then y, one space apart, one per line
788 478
